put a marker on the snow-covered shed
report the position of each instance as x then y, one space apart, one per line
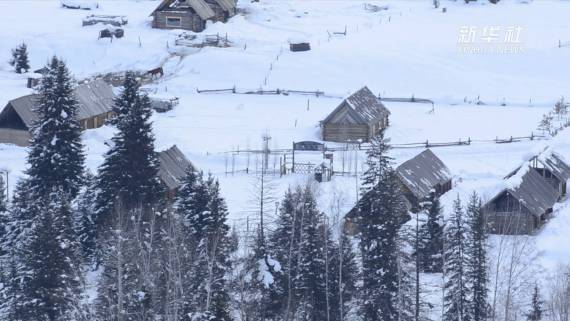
522 205
191 14
173 167
422 175
357 119
553 169
95 102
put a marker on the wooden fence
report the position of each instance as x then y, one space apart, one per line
278 91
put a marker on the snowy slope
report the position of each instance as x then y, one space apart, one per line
409 49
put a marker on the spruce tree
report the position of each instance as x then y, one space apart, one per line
19 59
4 218
476 253
431 236
129 171
49 279
84 219
381 211
312 273
536 309
209 297
22 62
3 193
455 299
56 153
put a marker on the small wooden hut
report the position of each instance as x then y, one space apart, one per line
357 119
418 178
18 116
523 205
422 175
173 167
191 14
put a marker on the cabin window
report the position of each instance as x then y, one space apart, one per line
173 22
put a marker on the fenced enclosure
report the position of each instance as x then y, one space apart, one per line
339 159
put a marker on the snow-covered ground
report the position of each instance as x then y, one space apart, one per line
408 50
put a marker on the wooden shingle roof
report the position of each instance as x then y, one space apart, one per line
173 167
422 173
531 189
362 107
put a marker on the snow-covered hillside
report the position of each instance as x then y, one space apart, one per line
410 49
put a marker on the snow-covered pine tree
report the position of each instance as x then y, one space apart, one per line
4 218
3 198
282 246
431 236
84 219
48 265
476 254
130 168
344 274
192 204
381 212
409 300
22 62
56 153
19 59
312 271
217 248
208 290
536 309
456 296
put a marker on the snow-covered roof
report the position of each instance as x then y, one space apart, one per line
94 98
531 189
202 8
362 107
551 161
173 167
422 173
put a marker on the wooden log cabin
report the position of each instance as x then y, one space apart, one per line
191 14
523 205
418 178
172 169
422 175
95 101
357 119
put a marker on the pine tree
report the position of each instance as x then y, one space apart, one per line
192 203
19 59
49 280
456 292
535 314
209 291
344 274
22 62
381 211
4 218
431 236
476 253
56 153
3 198
130 168
84 219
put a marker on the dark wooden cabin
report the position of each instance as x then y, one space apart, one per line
191 14
523 205
418 177
357 119
422 175
173 168
18 116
